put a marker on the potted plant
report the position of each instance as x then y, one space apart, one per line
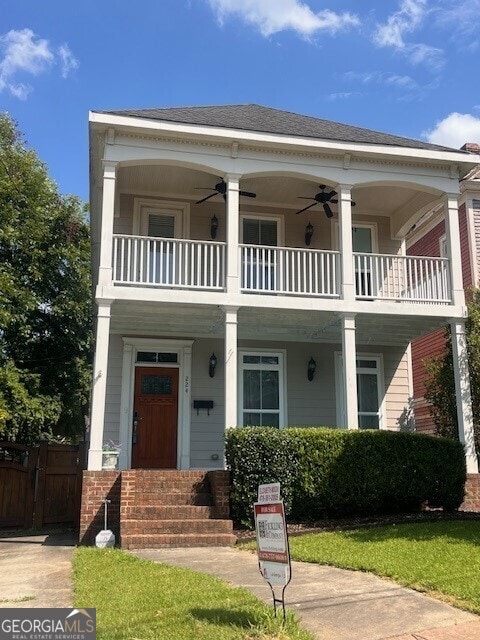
111 451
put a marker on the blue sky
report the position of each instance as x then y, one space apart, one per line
408 67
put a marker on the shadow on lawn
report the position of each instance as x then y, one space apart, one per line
454 530
238 618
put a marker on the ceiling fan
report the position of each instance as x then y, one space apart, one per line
221 189
323 197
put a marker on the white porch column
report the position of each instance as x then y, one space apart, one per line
231 414
99 389
349 353
108 208
452 230
462 392
345 241
233 223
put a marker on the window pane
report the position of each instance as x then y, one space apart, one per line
269 359
251 359
367 364
167 357
368 422
269 419
362 239
268 232
270 399
252 420
161 226
251 231
367 392
146 356
251 389
156 385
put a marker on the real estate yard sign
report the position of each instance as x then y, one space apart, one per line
272 539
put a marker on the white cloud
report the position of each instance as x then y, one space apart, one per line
461 18
23 52
454 130
273 16
406 20
342 95
381 77
67 60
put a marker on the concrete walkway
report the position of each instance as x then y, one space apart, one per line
333 603
35 571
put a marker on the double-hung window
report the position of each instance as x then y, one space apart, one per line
261 389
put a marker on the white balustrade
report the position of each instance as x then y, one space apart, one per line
282 270
404 278
168 262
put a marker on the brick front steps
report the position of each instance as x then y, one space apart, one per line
153 509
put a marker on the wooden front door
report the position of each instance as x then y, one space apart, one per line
155 418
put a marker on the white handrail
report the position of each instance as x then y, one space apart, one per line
168 262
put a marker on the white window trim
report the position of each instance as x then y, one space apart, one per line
282 381
368 225
144 206
340 401
183 349
280 220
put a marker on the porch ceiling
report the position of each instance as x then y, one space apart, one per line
278 190
152 319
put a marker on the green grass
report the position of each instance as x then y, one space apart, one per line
441 558
136 600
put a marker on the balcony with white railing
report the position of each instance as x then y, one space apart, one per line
402 278
282 270
168 262
201 265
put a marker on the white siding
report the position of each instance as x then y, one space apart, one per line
114 381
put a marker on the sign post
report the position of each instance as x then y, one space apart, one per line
272 541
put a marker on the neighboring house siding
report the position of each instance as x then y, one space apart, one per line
476 223
433 344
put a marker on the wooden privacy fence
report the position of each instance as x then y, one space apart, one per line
40 485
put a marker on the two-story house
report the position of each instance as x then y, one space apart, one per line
250 268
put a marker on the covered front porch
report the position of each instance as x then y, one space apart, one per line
223 367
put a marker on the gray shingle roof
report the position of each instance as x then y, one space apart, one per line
254 117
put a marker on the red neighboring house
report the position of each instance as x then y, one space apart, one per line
427 238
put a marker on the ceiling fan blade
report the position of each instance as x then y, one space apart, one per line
353 203
248 194
309 207
207 198
205 188
328 211
305 198
334 200
331 194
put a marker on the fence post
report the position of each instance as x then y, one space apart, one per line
40 488
31 486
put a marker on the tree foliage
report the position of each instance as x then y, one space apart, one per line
440 383
45 299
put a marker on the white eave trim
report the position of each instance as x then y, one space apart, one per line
165 127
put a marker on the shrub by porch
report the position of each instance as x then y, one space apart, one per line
333 472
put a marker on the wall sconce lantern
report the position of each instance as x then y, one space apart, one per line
212 363
308 234
213 227
312 365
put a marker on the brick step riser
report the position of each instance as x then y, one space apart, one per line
134 527
160 541
170 512
148 474
175 484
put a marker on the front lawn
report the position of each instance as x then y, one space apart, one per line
441 558
137 599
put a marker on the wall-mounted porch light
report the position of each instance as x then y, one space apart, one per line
312 365
212 363
308 234
213 227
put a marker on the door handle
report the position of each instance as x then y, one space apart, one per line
136 420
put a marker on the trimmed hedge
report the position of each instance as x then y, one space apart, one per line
339 472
